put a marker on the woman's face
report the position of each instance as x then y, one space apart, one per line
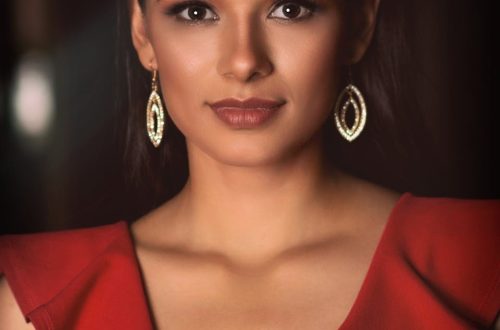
287 51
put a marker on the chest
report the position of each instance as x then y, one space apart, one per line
310 294
238 313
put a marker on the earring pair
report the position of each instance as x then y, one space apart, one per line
155 117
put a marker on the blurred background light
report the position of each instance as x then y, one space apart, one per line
33 96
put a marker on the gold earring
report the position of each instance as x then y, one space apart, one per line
154 111
356 100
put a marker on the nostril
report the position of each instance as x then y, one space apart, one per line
246 66
244 55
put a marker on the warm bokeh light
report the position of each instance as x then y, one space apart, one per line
33 96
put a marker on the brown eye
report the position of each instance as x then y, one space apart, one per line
196 13
292 11
192 12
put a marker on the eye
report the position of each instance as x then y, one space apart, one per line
192 12
197 13
294 10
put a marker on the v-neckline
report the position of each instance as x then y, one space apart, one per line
372 267
364 284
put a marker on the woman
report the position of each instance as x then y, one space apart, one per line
266 233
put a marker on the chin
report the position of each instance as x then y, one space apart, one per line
249 157
246 155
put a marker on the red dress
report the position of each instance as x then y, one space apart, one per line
436 266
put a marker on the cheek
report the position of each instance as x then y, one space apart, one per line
315 68
309 65
184 63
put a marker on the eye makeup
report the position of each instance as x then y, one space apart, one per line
202 8
180 5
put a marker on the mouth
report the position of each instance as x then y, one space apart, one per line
246 114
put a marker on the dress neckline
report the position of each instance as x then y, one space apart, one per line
364 284
371 268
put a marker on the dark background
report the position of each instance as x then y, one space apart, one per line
72 174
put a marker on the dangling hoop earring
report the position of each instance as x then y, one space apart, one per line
359 106
154 110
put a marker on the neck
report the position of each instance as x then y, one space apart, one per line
253 213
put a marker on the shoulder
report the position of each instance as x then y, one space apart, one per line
469 225
38 267
457 208
48 245
451 244
56 254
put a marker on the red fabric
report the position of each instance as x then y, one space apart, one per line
77 279
437 266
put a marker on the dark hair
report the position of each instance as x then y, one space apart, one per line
395 135
155 174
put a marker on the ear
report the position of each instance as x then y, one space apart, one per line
362 21
140 37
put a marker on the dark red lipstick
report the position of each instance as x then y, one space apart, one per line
249 113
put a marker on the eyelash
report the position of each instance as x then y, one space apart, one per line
176 9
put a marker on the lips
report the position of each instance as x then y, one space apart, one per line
249 113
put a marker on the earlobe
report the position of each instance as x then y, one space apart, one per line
140 38
362 29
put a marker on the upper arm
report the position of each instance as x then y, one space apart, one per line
10 313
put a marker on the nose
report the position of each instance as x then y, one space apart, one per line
244 56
